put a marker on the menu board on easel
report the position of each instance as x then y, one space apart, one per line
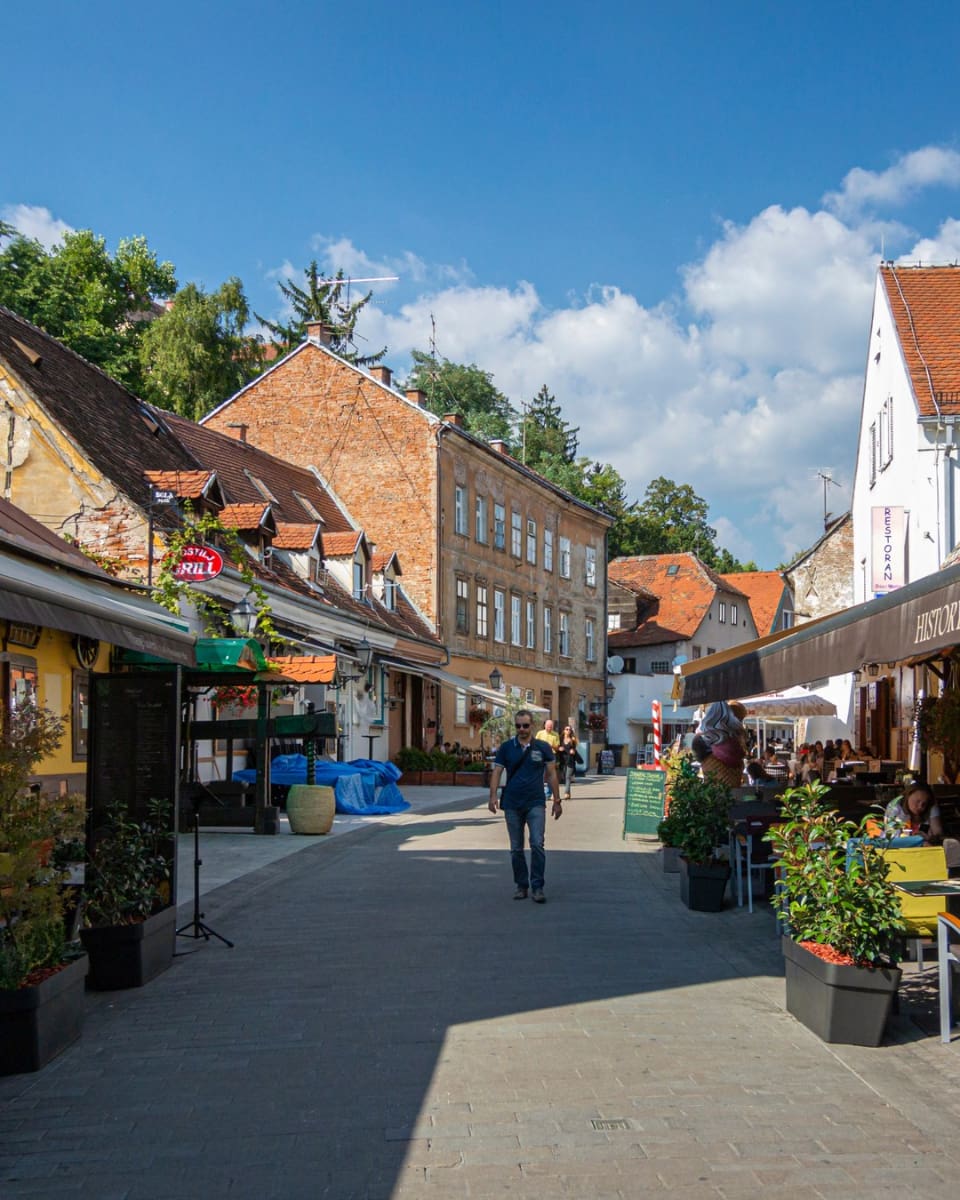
644 801
134 747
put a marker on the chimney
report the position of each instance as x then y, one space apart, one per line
241 434
415 396
319 331
500 446
382 375
454 419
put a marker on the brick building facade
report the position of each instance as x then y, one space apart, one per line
509 569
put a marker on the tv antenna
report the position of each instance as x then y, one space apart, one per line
826 479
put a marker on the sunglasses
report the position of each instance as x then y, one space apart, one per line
525 725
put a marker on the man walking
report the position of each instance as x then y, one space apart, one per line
525 760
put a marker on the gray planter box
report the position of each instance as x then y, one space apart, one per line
842 1004
126 956
37 1023
702 887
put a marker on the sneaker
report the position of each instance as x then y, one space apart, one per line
538 896
521 894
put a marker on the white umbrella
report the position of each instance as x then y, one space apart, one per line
779 706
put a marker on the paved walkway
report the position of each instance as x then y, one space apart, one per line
392 1024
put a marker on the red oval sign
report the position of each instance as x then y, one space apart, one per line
198 563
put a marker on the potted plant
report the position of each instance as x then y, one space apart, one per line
668 831
412 761
938 727
129 922
41 977
843 913
699 812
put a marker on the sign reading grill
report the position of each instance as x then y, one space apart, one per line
198 563
604 1126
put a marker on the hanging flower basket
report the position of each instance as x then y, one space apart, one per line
236 697
597 720
477 716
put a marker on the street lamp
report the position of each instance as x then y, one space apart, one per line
611 691
351 667
244 616
496 680
365 655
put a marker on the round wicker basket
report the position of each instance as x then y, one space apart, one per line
310 808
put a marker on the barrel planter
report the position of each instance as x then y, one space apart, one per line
37 1023
843 1004
702 885
127 956
311 808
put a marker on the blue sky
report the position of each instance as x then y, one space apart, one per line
670 214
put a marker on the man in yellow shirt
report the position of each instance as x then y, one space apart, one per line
549 735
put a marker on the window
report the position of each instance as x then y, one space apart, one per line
531 624
660 666
547 630
460 715
588 637
515 630
481 611
480 519
548 549
357 580
711 650
565 634
463 600
80 713
499 527
390 593
697 652
887 419
590 566
499 615
460 510
516 535
722 606
565 557
787 619
734 613
531 541
613 621
873 454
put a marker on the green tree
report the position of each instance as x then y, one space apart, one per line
325 299
195 355
544 434
96 303
468 390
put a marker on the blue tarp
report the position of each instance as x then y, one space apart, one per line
361 787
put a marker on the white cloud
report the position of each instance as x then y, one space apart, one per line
944 248
910 174
35 222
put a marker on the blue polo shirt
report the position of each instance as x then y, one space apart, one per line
524 766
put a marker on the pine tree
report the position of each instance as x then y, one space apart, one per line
326 300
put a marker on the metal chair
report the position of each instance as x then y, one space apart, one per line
948 929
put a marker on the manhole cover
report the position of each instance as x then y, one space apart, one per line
605 1125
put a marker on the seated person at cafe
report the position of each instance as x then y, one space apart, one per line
917 812
756 772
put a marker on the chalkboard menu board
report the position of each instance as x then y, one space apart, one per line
134 745
644 801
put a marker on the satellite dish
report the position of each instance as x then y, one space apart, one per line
614 664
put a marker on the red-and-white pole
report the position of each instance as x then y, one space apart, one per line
655 709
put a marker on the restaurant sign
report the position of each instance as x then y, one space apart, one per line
888 546
197 564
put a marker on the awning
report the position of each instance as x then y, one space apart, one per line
449 680
918 620
57 599
214 656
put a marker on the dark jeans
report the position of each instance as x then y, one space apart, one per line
534 820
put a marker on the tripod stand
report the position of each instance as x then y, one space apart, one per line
198 928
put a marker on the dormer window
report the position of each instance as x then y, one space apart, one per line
260 486
358 580
390 593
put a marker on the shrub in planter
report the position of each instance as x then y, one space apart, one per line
41 977
844 918
699 823
129 921
410 758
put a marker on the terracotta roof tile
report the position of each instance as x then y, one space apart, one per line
306 668
244 516
295 537
339 545
185 485
925 302
764 589
684 586
379 563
